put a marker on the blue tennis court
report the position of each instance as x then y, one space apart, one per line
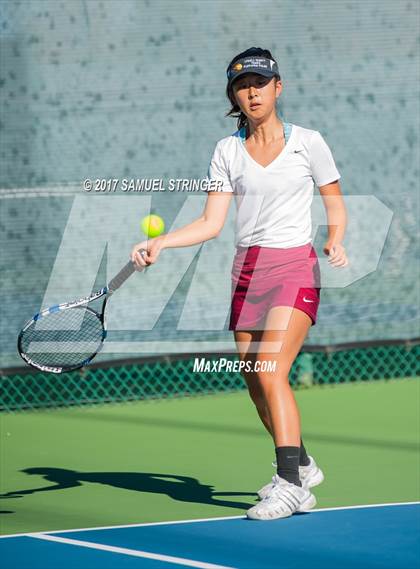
385 536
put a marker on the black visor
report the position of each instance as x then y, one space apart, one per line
261 65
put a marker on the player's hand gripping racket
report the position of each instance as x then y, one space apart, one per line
68 336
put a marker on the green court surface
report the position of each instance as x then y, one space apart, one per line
157 461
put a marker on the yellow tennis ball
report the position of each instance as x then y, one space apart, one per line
152 225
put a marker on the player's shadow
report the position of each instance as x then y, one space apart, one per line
180 488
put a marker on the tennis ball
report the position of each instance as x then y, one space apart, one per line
152 225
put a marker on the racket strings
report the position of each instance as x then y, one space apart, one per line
63 339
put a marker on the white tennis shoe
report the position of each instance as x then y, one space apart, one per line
310 476
283 500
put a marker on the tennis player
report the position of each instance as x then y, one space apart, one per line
271 167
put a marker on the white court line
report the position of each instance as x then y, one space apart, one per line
146 524
132 552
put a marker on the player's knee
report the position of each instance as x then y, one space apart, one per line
273 380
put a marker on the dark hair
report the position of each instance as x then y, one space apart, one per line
235 111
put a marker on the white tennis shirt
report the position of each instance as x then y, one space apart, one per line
273 203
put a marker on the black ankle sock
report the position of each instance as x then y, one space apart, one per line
303 458
288 464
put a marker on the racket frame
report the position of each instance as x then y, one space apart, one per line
106 291
80 303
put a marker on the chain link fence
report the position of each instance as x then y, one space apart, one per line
174 376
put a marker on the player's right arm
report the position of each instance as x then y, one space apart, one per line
206 227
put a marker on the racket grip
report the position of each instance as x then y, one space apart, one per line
123 275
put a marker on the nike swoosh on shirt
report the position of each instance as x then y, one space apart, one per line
300 150
307 300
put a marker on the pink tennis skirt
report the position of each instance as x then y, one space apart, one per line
264 277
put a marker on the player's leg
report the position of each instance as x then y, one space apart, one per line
247 345
292 327
286 328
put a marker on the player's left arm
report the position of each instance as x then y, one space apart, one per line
337 222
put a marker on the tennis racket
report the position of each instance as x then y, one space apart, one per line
68 336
